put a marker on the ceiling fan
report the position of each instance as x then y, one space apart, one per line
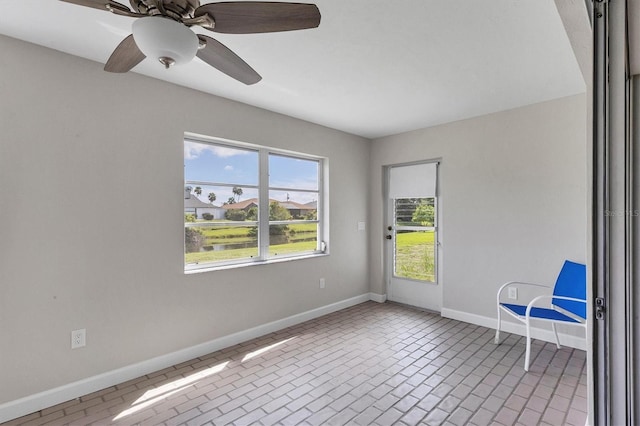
162 30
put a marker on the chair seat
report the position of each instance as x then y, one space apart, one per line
539 313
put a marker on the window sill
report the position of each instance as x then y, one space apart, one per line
248 264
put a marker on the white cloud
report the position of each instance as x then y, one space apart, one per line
228 168
192 150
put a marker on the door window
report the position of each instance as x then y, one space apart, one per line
415 239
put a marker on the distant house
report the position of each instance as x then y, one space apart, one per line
242 205
295 209
193 205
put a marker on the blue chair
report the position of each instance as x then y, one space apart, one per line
568 304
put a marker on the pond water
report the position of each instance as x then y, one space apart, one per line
274 240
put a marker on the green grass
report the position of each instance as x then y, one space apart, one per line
303 227
222 233
303 246
246 253
217 256
415 255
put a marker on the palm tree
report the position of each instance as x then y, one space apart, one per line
197 191
212 197
237 192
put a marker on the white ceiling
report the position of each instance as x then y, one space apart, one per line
372 68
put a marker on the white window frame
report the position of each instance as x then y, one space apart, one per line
263 221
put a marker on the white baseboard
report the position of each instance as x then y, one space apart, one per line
380 298
515 328
30 404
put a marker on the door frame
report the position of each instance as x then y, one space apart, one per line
615 282
435 289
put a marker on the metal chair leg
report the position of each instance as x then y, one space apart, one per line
553 325
527 357
497 338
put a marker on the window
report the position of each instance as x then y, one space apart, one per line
249 204
415 242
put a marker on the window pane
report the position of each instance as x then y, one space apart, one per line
294 173
291 205
214 163
220 243
214 203
294 238
415 255
415 211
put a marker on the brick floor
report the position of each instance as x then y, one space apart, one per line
371 364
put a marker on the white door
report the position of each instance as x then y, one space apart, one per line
412 236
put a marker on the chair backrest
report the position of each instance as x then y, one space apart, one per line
572 282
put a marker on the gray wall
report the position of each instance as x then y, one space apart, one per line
513 198
82 151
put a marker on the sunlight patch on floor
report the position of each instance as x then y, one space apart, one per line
155 395
259 352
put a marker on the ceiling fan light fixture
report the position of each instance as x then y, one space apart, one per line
166 40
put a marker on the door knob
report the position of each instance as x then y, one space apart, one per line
388 237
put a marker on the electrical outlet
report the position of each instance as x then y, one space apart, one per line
78 338
321 282
513 292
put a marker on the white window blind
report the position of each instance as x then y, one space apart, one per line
413 181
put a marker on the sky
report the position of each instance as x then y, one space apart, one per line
239 167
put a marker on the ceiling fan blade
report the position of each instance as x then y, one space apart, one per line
260 17
223 59
100 4
126 56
